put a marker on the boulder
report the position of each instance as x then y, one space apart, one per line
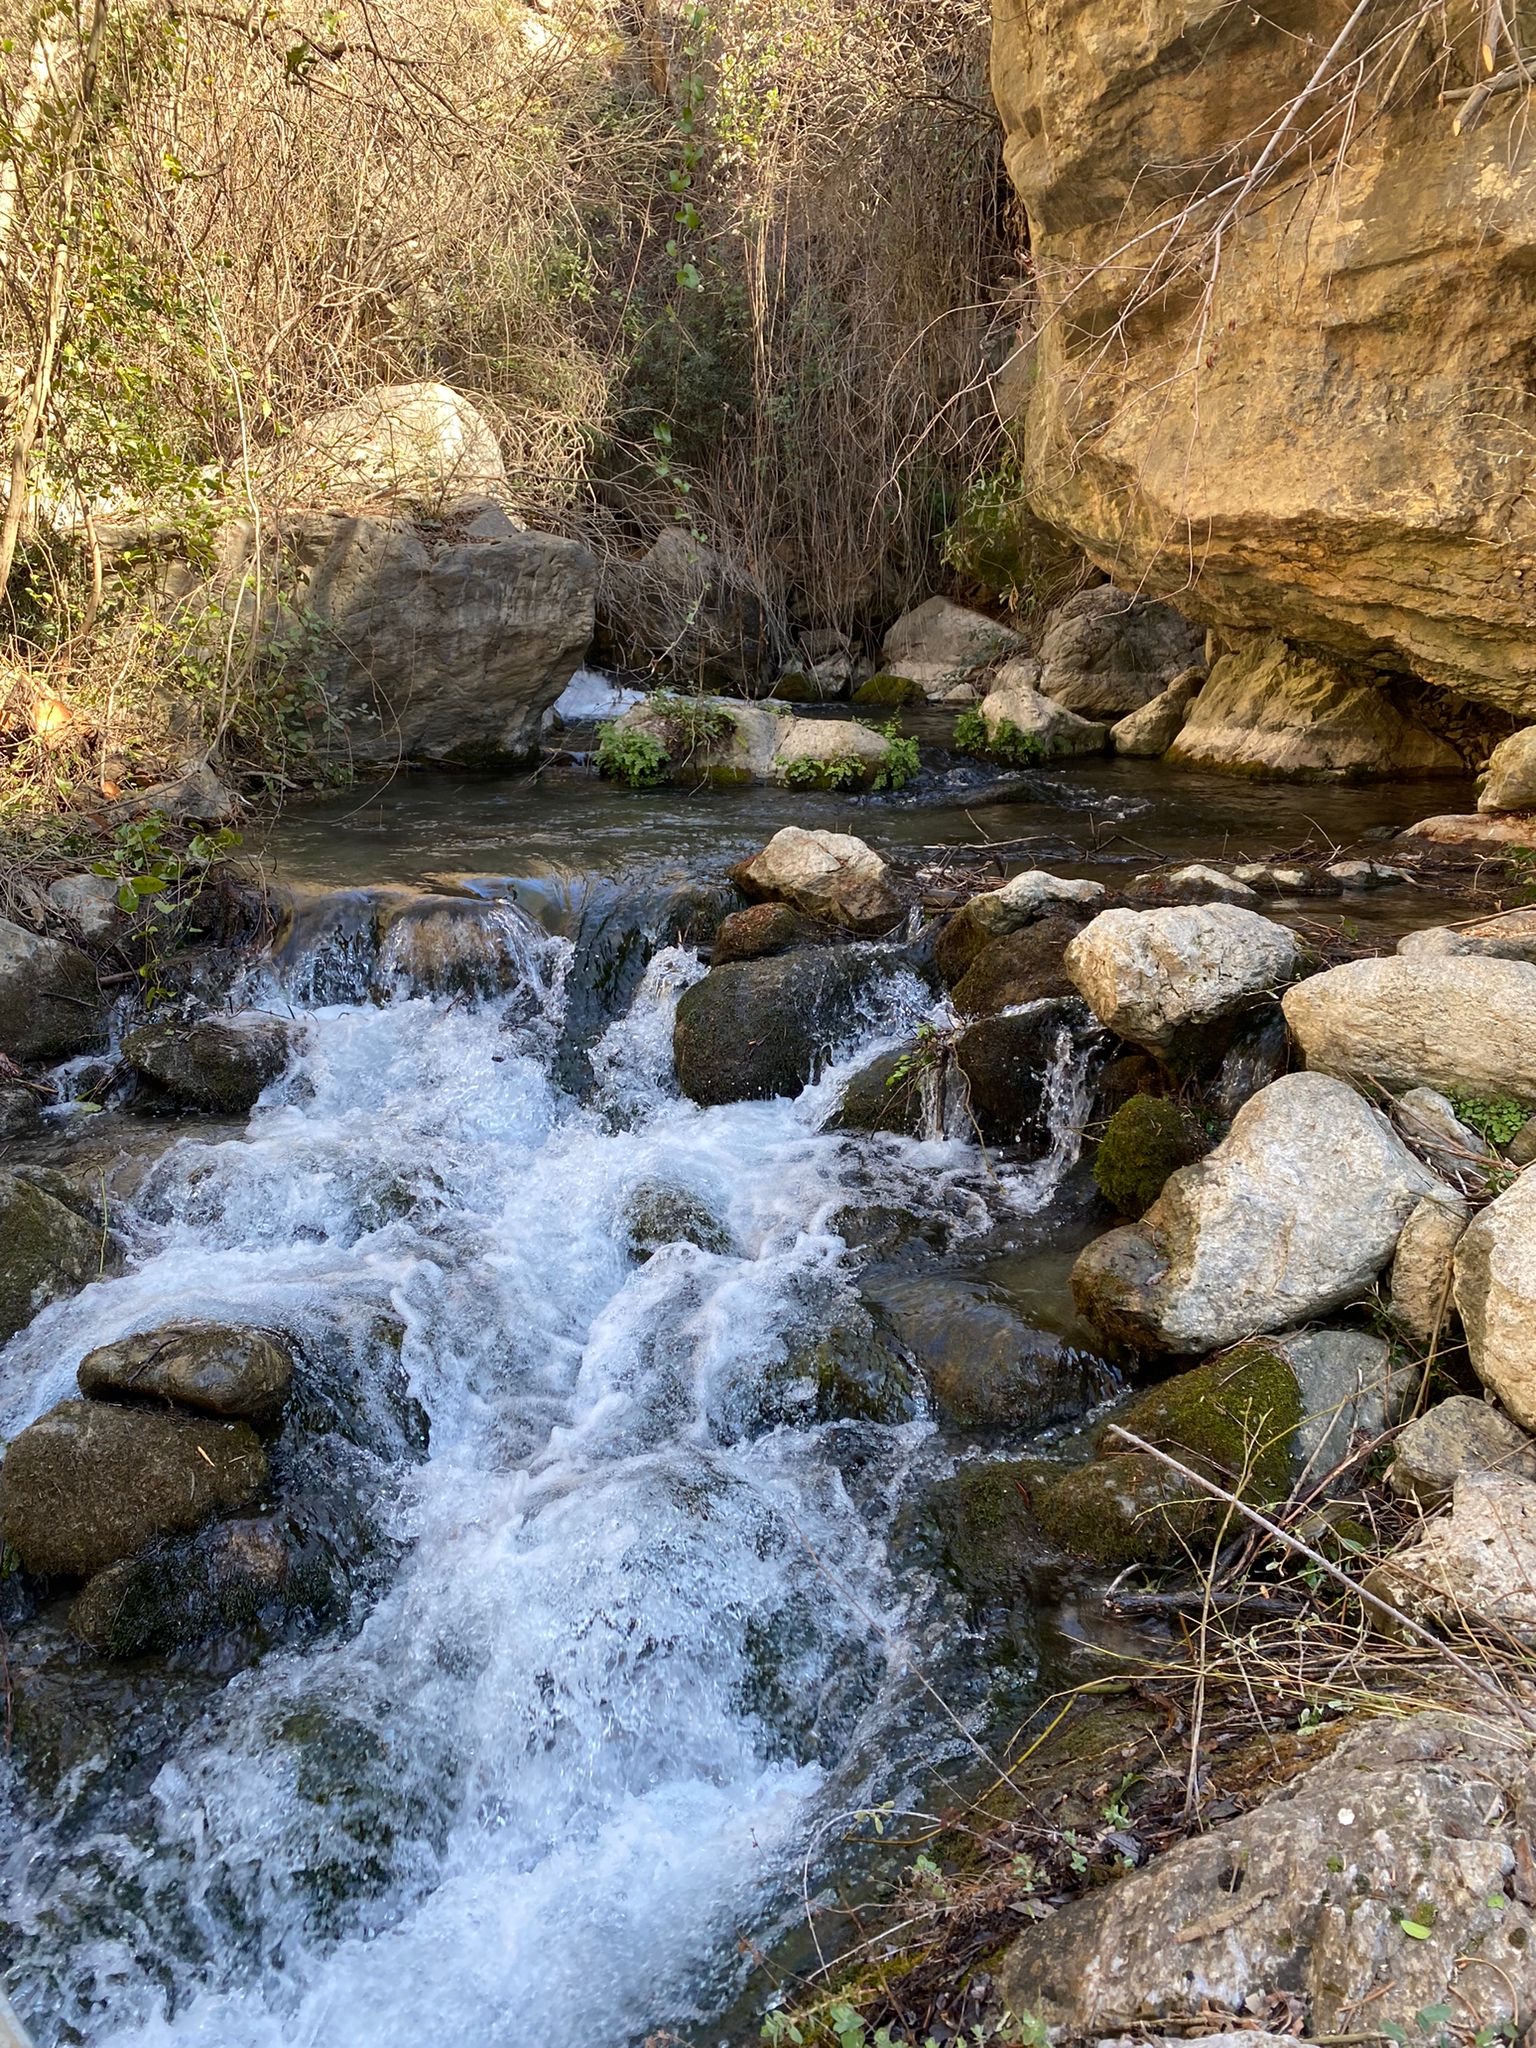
889 692
1508 935
46 1252
220 1064
1147 1139
689 614
829 875
1457 1437
1023 724
887 1095
1366 874
229 1577
770 928
1510 783
1474 1567
89 902
940 644
1021 969
983 1365
433 649
1410 1820
1293 1215
1029 895
761 1028
1462 1023
1473 830
1105 652
1148 733
1495 1289
241 1374
829 753
1305 450
1269 710
50 1006
1419 1296
1005 1066
1265 1420
1154 976
90 1482
412 444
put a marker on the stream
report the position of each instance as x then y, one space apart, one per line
633 1625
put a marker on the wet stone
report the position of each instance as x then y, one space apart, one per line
46 1252
984 1366
221 1064
242 1374
659 1213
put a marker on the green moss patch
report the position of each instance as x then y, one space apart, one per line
1146 1140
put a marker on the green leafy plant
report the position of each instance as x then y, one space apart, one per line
1003 741
157 878
901 763
833 771
1494 1117
691 724
636 758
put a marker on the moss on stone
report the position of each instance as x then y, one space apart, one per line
1146 1140
45 1252
896 691
987 1524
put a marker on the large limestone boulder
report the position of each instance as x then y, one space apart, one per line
432 648
1023 723
1293 1215
1510 784
46 1252
406 444
1269 710
1415 1820
50 1005
940 644
1106 652
1496 1297
829 875
1153 975
1310 449
90 1482
1460 1022
761 1028
1475 1566
240 1374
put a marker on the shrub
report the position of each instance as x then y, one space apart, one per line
636 758
1003 742
901 764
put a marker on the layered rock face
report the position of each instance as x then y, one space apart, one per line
1337 447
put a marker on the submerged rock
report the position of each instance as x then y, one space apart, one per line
1146 1140
221 1064
1105 652
50 1005
659 1212
760 1028
1457 1437
46 1252
1154 976
1462 1022
1495 1287
239 1373
1293 1214
1413 1819
89 1482
827 875
984 1366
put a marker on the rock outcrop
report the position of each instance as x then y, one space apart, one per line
1335 444
1294 1214
1105 652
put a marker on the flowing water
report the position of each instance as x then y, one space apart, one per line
633 1623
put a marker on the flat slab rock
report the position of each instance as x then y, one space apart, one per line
1412 1821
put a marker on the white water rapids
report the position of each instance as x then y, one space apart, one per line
640 1611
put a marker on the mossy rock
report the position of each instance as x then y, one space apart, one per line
761 1028
658 1213
46 1252
897 692
988 1526
887 1095
859 1375
221 1064
1021 968
1146 1140
1234 1419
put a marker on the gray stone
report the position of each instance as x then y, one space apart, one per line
238 1373
1420 1294
948 640
1457 1436
1026 897
1462 1023
1147 734
90 904
1474 1567
1366 874
220 1064
1350 1386
1200 883
1050 729
1429 1123
1105 653
1150 975
89 1483
46 1252
50 1005
1414 1818
1293 1215
414 444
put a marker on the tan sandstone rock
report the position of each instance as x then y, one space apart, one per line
1420 1297
1461 1022
1016 700
1496 1297
1150 732
1511 780
826 874
1313 452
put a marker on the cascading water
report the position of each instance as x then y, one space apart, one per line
626 1621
